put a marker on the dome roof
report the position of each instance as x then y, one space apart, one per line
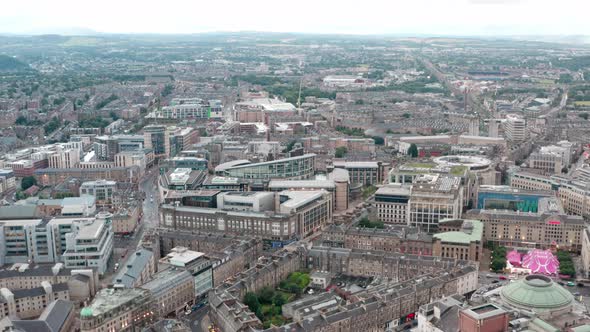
536 292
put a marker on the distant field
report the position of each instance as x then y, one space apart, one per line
546 81
81 41
582 103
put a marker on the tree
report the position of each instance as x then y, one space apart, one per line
359 102
278 299
413 151
407 115
340 152
27 182
583 115
21 121
265 295
378 140
498 265
251 300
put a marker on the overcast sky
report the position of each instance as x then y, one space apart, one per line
438 17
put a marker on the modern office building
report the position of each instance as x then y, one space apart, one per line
508 198
515 129
531 181
391 202
106 147
312 208
296 168
193 163
253 201
433 198
102 190
90 244
268 225
363 172
197 264
182 179
156 137
339 188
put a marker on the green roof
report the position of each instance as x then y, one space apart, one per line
86 312
458 170
581 328
536 292
461 236
420 165
544 325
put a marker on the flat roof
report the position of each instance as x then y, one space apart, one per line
181 256
308 155
462 237
301 184
298 198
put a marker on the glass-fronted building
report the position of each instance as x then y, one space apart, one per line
296 168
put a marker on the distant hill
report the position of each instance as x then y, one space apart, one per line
10 64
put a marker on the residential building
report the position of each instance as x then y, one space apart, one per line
585 252
31 302
7 180
58 316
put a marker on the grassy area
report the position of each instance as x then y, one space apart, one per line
582 103
365 222
458 170
420 165
368 191
546 82
267 303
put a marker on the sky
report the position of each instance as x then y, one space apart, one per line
407 17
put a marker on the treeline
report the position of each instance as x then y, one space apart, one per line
106 101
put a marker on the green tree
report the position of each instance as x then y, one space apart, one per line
27 182
378 140
278 299
251 300
407 115
340 152
583 115
359 102
266 295
413 151
21 121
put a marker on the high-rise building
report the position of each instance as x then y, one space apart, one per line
515 128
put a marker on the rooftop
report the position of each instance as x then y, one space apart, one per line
471 231
181 256
111 298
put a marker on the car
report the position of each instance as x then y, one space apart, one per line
570 284
502 278
577 294
561 283
580 284
495 282
489 275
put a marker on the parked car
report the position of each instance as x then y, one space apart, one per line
580 284
502 278
570 284
561 283
489 275
495 282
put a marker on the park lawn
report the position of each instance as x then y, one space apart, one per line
421 165
582 103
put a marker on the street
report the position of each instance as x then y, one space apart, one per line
198 320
